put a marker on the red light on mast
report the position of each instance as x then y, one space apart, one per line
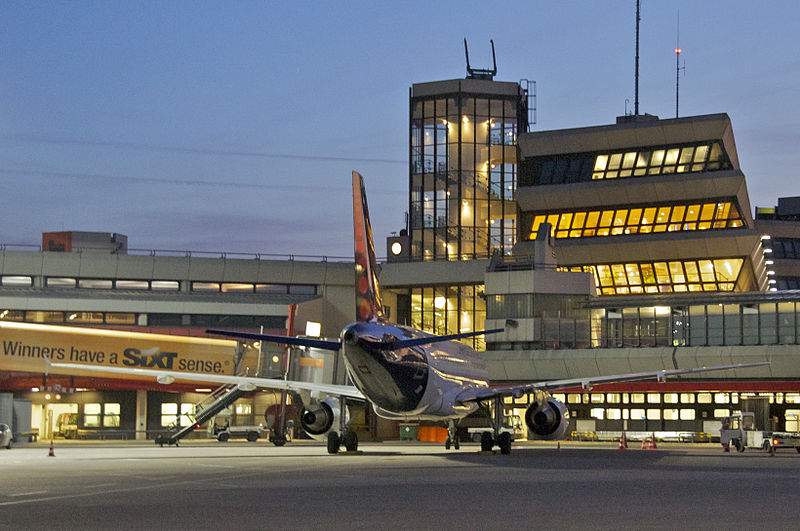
678 50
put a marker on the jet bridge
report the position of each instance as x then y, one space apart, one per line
218 400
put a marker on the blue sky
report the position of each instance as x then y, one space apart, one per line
233 126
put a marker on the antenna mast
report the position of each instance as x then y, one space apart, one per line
678 67
480 73
636 75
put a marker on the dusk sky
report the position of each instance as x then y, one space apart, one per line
233 126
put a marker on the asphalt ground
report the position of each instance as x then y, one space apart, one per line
240 485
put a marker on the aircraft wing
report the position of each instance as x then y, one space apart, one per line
587 383
246 383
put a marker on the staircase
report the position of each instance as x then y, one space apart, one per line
215 402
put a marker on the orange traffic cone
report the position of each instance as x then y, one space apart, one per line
52 451
652 442
644 443
623 441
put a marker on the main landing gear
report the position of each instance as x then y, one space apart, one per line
349 440
501 438
452 437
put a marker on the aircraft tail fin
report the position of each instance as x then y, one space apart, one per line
368 300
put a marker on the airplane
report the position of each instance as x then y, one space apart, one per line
405 373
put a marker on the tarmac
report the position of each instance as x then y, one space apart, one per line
203 484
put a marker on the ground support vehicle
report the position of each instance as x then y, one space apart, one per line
739 431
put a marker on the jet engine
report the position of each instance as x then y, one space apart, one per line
547 419
321 417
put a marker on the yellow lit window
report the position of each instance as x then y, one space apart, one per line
686 155
706 271
648 277
614 161
564 223
662 273
658 158
579 220
600 163
604 275
634 279
591 219
677 214
618 270
687 414
628 160
663 215
671 157
670 414
692 273
649 216
700 153
619 217
605 219
707 212
676 270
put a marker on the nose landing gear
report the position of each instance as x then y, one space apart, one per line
452 437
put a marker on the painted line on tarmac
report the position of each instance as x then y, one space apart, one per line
96 492
18 494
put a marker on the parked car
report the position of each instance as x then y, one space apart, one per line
5 436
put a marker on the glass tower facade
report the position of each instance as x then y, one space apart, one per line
463 168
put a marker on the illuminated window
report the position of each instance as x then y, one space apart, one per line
111 415
687 414
205 286
132 284
722 398
653 414
16 280
664 277
670 398
91 415
597 413
704 398
94 283
614 414
721 413
637 398
653 398
670 414
682 159
687 398
680 217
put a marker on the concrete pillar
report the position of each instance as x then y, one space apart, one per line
141 415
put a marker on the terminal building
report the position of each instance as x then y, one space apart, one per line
600 250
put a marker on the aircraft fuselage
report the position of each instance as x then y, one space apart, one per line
419 382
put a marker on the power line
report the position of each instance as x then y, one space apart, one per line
179 182
55 140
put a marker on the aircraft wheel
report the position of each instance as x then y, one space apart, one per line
252 436
350 441
278 440
223 437
504 442
447 443
486 441
333 442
